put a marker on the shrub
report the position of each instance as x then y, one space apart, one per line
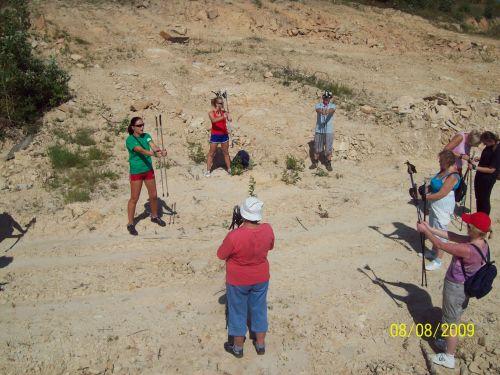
289 75
294 164
320 172
290 177
95 153
77 196
196 153
28 85
83 137
251 187
62 158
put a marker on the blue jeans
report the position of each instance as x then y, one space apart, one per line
243 300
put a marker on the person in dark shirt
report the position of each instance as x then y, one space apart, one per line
487 171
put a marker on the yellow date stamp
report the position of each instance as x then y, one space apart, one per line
427 330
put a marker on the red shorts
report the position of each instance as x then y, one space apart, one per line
149 175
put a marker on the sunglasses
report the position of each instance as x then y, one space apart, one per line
139 125
219 103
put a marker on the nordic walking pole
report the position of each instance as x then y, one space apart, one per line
463 202
163 157
411 171
230 127
161 162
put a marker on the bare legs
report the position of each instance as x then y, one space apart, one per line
135 192
210 156
225 151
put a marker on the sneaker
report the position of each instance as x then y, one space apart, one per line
230 349
261 350
207 174
131 229
434 265
441 344
329 166
158 221
443 359
229 172
314 165
429 254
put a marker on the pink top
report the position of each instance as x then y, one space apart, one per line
245 252
462 148
472 263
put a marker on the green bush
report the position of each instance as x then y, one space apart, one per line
83 137
294 164
289 75
28 85
77 196
95 153
62 158
196 153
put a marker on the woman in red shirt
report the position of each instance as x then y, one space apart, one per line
247 277
219 134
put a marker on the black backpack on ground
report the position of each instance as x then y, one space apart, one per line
481 283
242 158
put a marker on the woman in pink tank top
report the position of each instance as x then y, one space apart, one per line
464 253
461 144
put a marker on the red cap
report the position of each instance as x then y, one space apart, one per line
479 219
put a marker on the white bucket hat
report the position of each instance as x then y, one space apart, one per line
251 209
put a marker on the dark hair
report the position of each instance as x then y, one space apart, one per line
489 136
448 157
132 123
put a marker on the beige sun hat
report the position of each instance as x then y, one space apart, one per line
251 209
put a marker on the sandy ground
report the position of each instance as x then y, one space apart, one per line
82 297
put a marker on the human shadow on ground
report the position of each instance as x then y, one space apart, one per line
403 235
163 209
5 261
8 225
417 300
218 161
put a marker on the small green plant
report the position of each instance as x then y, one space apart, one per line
77 196
61 157
290 177
120 127
320 172
294 164
81 41
83 137
258 3
289 75
251 187
196 153
95 153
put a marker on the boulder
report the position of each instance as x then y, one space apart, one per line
140 105
403 105
76 57
212 14
268 74
180 30
367 109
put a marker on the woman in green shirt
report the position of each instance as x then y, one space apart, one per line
140 148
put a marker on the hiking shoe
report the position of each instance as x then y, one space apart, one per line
329 166
207 174
158 221
230 349
229 172
261 350
443 359
314 165
434 265
131 229
440 344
